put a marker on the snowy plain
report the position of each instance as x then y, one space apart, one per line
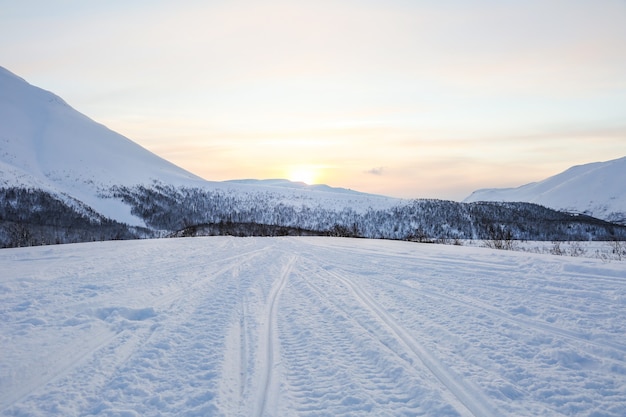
225 326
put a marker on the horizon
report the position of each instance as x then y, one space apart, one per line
406 100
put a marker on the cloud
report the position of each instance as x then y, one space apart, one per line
376 171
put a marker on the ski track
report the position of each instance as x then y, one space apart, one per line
308 327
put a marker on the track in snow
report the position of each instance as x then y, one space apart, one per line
470 398
268 339
308 327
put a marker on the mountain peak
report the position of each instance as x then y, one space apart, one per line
41 134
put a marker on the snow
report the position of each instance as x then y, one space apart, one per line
596 189
308 327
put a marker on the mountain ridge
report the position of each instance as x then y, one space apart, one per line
285 183
596 189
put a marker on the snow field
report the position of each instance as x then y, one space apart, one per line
308 327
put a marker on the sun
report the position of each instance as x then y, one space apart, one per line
302 173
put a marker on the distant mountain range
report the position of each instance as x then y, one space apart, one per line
297 185
66 178
597 189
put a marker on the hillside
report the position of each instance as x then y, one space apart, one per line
46 144
597 189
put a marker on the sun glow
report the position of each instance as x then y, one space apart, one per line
303 173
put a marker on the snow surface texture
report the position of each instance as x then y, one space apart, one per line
308 327
596 189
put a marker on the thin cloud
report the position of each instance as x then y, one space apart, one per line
376 171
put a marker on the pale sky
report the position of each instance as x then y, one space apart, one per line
407 98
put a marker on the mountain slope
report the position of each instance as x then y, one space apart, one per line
596 189
45 143
44 135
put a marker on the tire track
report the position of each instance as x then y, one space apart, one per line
466 395
192 288
490 310
353 371
268 343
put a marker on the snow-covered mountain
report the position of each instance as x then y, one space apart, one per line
296 185
597 189
65 178
46 144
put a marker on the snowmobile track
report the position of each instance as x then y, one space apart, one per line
468 396
270 341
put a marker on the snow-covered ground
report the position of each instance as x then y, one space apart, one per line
607 251
308 327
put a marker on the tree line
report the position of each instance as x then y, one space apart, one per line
175 209
35 217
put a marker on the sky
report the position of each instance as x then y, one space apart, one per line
407 98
